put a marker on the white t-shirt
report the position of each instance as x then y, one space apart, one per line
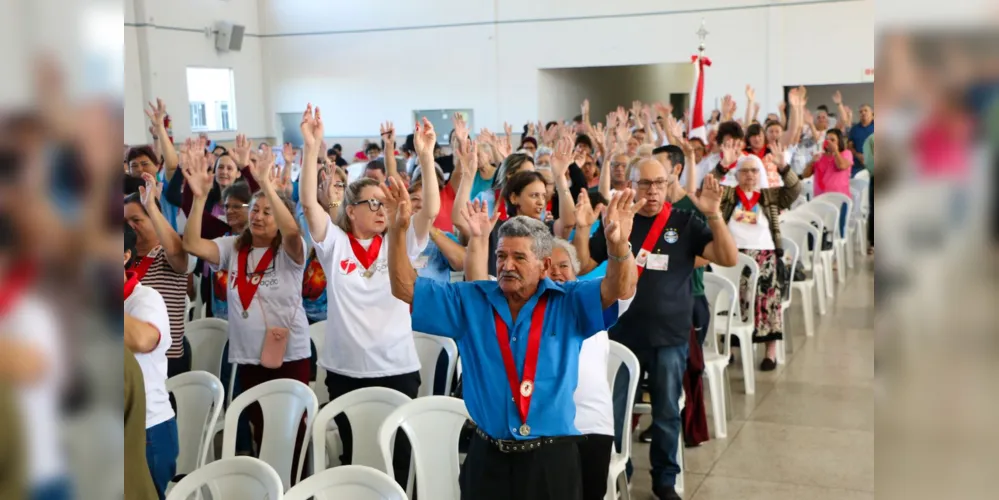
594 406
147 305
277 303
33 322
751 236
369 332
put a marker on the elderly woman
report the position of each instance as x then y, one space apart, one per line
752 215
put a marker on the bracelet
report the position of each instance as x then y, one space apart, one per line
714 216
620 259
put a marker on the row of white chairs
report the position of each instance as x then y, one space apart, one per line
432 424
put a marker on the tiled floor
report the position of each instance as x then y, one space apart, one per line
808 432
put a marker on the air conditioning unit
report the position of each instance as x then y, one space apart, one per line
228 36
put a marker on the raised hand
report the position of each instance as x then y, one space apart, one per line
549 136
837 98
709 199
468 157
562 157
750 93
149 193
195 170
508 131
241 151
777 153
586 215
397 204
636 108
620 216
288 153
585 109
263 170
809 118
730 152
622 116
424 138
756 109
157 113
477 218
460 127
312 127
387 131
664 109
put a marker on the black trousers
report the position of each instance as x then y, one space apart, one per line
594 460
176 366
407 383
551 472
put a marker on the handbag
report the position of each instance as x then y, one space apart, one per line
275 342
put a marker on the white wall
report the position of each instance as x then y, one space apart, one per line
365 62
162 46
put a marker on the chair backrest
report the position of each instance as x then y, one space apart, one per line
622 356
791 252
245 478
282 402
366 409
807 188
722 295
861 201
828 214
840 202
356 482
317 331
433 425
199 397
207 337
798 230
428 348
863 174
734 274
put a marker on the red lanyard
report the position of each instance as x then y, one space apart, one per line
141 266
131 280
654 233
247 286
17 282
522 390
500 205
748 204
366 257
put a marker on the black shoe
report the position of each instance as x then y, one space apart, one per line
646 435
666 493
768 365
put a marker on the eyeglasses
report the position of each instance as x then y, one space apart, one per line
373 204
647 184
236 206
340 185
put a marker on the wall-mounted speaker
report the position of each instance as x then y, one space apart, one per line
228 36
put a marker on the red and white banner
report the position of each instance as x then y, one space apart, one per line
696 128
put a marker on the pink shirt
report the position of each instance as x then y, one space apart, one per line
828 178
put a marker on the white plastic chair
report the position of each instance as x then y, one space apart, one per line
245 478
199 397
207 338
428 348
617 479
798 231
807 188
433 425
354 482
366 409
282 402
791 262
820 215
317 331
841 239
722 296
743 330
862 206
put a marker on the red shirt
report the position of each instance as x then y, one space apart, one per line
443 220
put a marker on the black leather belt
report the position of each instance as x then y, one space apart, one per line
512 446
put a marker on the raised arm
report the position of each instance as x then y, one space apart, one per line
586 216
793 131
561 158
751 106
461 140
722 249
157 114
622 275
468 161
424 139
199 182
476 216
172 244
312 134
267 176
452 251
399 210
791 190
387 132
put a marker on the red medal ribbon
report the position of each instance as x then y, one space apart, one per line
141 266
366 257
530 360
730 167
500 205
18 280
131 280
747 203
759 154
244 286
655 232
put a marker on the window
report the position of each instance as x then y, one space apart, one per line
198 116
216 87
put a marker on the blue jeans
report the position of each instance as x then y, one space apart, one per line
162 449
56 489
666 366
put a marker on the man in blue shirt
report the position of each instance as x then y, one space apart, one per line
519 339
859 133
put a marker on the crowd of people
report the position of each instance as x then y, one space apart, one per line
584 233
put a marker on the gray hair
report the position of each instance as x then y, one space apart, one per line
570 251
523 226
418 175
541 151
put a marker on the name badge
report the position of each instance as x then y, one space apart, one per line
642 257
421 262
657 262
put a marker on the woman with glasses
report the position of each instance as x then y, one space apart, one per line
332 184
236 202
268 330
369 335
752 214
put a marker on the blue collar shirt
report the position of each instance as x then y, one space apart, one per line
464 312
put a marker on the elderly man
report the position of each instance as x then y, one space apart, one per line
530 347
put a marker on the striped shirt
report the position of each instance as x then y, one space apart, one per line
173 287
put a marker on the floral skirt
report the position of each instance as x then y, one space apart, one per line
769 322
